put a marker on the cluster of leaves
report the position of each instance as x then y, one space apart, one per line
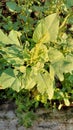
22 15
37 58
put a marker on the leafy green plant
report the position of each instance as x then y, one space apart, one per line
22 67
25 108
36 54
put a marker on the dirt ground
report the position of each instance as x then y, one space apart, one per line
47 119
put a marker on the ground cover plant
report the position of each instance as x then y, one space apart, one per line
36 53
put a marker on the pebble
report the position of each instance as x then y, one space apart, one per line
10 115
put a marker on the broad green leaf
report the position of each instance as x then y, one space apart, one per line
16 85
68 64
11 39
14 55
54 55
11 5
60 63
45 84
41 34
58 69
4 38
29 80
14 35
56 58
30 83
48 25
69 3
63 66
7 78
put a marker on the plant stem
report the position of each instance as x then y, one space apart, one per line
62 25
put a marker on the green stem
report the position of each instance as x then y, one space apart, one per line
64 22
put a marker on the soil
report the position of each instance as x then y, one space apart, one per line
47 119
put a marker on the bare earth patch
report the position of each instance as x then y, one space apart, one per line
47 119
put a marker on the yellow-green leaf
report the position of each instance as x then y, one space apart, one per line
45 84
48 25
